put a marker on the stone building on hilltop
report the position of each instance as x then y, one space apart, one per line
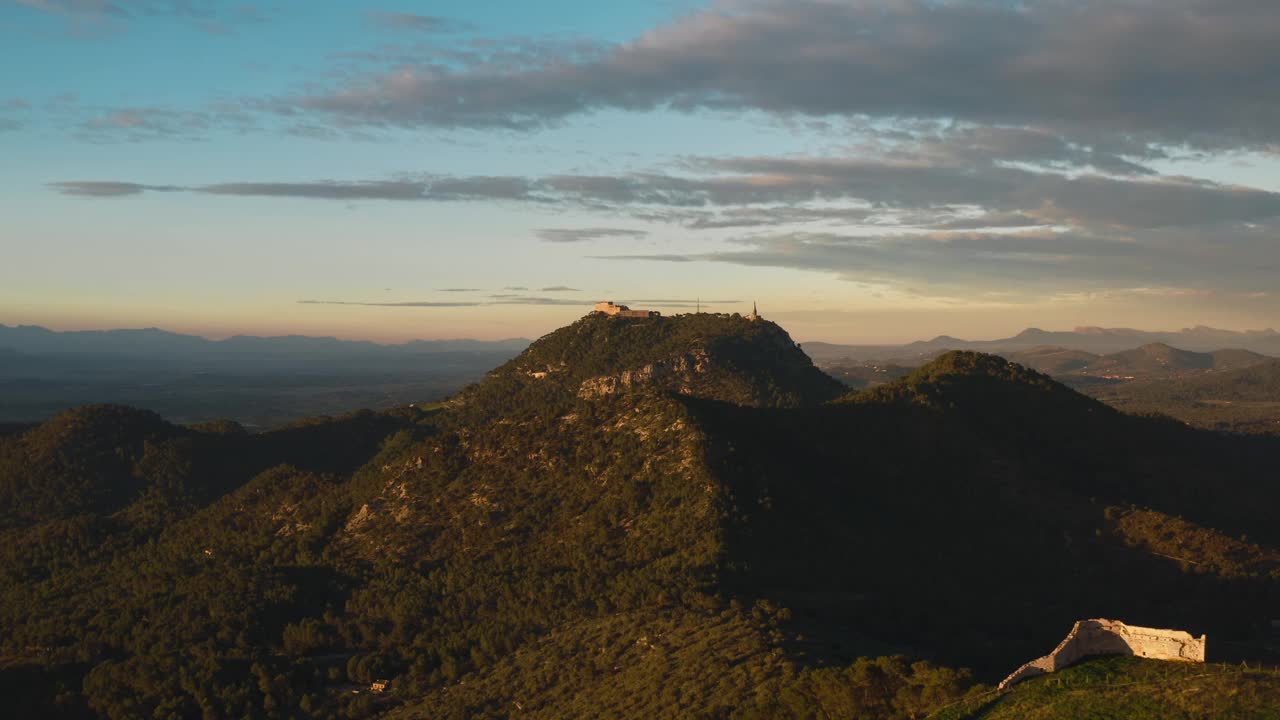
609 308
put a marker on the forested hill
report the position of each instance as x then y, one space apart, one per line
670 522
706 355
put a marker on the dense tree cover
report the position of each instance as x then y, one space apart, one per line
647 553
708 355
857 515
676 663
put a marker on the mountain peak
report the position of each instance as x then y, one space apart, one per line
985 385
709 355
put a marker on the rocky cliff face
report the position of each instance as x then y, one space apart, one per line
680 371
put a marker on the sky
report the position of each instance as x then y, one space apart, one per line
866 171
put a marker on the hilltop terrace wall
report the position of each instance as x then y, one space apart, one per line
1112 637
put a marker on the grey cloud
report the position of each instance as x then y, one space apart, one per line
211 16
1231 257
482 187
1052 197
93 188
530 300
663 257
324 190
410 21
752 191
152 123
988 220
573 235
558 288
9 125
685 302
461 290
782 215
1034 146
515 287
1194 72
390 304
499 299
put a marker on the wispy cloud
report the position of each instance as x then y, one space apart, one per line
410 21
535 300
496 299
143 123
1232 257
109 188
573 235
406 304
558 288
209 16
766 186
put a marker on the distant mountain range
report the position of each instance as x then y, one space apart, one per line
1096 340
259 381
1149 361
155 343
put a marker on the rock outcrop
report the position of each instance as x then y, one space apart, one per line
683 366
1112 637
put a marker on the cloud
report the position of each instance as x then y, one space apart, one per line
663 257
461 290
1192 72
558 288
573 235
410 21
157 123
683 302
887 188
534 300
8 125
408 304
1229 257
987 145
210 16
498 299
322 190
108 188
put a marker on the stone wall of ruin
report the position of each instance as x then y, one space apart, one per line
1112 637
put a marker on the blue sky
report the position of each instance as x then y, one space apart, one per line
867 171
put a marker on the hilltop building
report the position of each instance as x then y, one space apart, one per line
755 315
609 308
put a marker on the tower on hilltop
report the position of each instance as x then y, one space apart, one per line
755 315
